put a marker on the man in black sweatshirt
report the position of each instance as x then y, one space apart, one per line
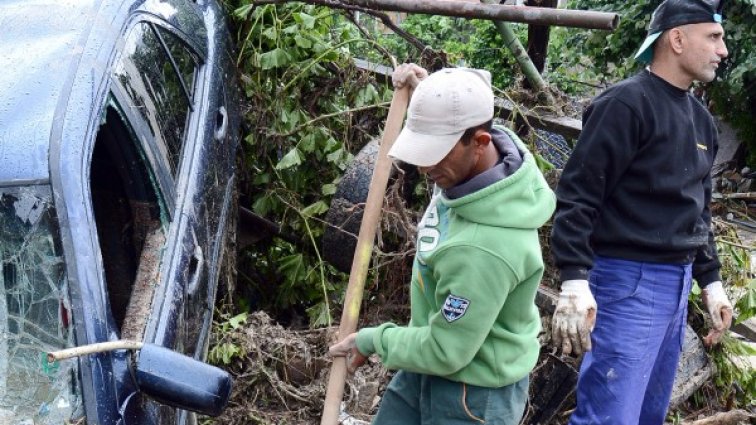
633 226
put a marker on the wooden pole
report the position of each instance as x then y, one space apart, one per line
363 252
496 12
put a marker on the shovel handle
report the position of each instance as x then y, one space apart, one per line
368 228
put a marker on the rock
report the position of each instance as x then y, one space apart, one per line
730 148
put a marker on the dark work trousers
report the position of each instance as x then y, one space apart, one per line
627 377
417 399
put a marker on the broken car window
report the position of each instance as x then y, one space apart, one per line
34 312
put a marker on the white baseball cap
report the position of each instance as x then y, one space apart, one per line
443 106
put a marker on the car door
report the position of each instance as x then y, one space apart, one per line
191 123
150 247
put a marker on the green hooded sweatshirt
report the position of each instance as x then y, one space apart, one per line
475 276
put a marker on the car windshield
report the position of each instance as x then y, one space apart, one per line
34 312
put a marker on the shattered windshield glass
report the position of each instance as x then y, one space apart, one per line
34 312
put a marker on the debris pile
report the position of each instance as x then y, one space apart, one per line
281 376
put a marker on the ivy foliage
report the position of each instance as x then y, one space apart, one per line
309 108
309 111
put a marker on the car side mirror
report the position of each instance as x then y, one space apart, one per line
166 376
181 381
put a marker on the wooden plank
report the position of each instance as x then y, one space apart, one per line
746 329
551 383
566 126
376 68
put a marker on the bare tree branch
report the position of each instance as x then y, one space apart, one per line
366 34
495 12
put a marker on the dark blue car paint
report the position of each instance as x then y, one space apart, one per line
49 116
157 373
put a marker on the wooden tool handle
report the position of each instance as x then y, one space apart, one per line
365 239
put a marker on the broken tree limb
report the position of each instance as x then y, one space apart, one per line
429 58
499 12
732 417
742 195
566 126
522 58
363 252
365 33
100 347
496 12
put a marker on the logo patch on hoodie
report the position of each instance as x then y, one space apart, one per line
454 307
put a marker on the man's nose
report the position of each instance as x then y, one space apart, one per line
722 50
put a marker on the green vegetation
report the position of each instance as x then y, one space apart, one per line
606 58
309 110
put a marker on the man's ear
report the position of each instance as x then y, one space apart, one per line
481 138
675 39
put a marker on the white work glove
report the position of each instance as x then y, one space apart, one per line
720 311
574 318
408 74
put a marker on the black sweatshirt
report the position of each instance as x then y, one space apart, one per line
638 185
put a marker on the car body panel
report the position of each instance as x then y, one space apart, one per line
43 76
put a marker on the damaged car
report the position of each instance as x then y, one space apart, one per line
119 128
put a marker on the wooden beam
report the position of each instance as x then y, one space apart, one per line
566 126
746 329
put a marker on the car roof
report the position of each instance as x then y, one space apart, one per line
44 46
38 46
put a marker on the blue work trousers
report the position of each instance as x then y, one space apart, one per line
627 377
417 399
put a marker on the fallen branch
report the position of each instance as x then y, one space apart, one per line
100 347
331 115
495 12
732 417
740 195
365 33
745 195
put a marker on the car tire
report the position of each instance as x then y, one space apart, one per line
347 206
344 216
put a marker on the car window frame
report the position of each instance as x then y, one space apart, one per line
194 125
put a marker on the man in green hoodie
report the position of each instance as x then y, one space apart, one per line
471 342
